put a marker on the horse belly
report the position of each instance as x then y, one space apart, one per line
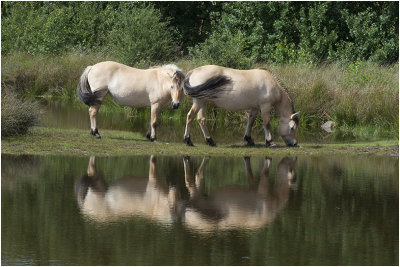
232 101
130 97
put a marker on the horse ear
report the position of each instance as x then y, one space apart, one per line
294 115
292 124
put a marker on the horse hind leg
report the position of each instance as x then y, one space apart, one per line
189 119
201 119
250 122
93 109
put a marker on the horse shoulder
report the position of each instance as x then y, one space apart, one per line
157 86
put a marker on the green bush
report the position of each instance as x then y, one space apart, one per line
138 32
17 114
223 49
139 36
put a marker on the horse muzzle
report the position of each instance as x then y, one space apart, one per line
291 144
175 105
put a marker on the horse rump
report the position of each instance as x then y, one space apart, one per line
85 93
209 89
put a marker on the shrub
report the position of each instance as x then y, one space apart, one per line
223 49
17 114
139 36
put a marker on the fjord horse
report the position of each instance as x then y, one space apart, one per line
255 90
130 87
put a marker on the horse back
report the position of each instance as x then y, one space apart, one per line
247 88
129 86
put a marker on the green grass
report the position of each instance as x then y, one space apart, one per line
52 141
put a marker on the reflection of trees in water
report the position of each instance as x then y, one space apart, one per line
226 207
17 168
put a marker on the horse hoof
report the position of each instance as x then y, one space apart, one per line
148 136
249 140
95 133
187 141
153 139
210 142
270 144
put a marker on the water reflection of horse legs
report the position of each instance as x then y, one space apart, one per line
234 206
126 196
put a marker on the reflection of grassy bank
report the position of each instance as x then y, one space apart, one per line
361 95
43 141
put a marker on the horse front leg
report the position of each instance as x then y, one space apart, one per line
93 126
250 122
263 183
249 173
201 119
155 111
265 115
189 119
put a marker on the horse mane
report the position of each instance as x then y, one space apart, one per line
282 86
177 70
171 66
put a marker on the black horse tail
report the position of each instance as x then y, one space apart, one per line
209 89
85 93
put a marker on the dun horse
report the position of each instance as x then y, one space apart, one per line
130 87
255 90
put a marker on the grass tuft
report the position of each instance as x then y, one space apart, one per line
17 114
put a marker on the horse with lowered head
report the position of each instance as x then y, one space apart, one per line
130 87
234 90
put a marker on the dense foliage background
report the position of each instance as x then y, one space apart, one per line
235 34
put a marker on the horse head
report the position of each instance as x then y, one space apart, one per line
288 129
177 78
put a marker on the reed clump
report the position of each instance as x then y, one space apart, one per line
42 75
352 95
17 114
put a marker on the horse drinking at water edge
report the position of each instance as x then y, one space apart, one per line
130 87
255 90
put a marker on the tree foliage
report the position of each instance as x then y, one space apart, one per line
235 34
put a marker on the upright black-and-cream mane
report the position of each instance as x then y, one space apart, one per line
282 86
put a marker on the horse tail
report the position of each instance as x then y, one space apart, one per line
85 93
209 89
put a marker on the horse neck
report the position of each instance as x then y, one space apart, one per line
284 106
165 91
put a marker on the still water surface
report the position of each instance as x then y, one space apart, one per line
143 210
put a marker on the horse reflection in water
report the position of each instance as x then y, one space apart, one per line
234 206
127 196
226 207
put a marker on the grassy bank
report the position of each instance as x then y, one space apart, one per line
43 141
361 97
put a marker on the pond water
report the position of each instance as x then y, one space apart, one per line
145 210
